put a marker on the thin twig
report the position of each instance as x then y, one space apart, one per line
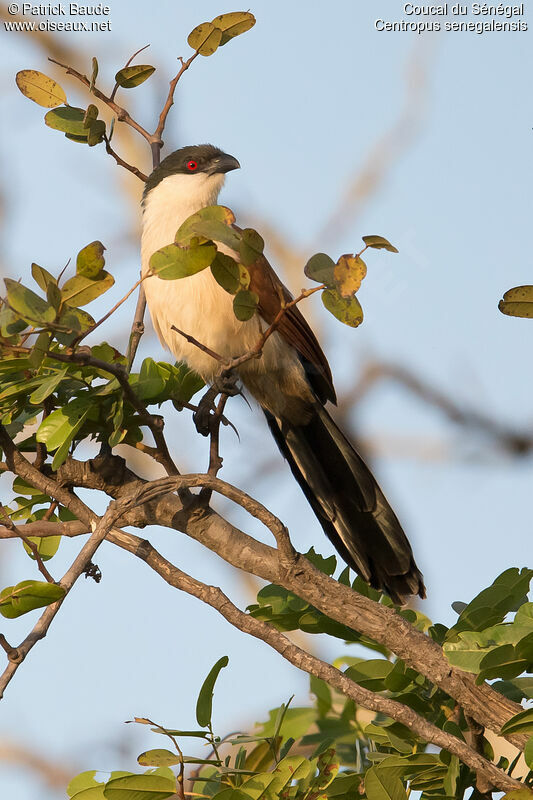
215 459
137 328
122 114
120 161
8 522
170 97
199 345
115 307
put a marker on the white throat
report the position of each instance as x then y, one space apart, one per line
169 204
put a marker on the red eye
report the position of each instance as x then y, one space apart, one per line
192 166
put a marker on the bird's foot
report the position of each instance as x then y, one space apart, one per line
226 383
203 417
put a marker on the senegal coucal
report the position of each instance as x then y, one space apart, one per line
291 381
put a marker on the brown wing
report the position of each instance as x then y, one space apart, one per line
292 326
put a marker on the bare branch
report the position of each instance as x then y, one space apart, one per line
337 601
120 161
8 522
81 562
158 133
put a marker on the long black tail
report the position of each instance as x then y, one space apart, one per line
349 504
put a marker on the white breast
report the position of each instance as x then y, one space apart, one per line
198 306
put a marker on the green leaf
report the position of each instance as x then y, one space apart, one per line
185 383
47 546
379 243
27 596
129 77
177 732
10 323
80 290
76 320
40 88
370 674
67 119
53 295
384 784
229 274
349 273
522 294
520 723
493 603
528 753
233 24
501 662
347 310
42 277
296 722
326 565
39 349
58 429
245 304
186 232
150 382
251 246
158 758
29 305
90 260
204 704
468 651
173 262
321 268
21 487
91 114
217 232
140 787
516 309
96 132
322 692
205 38
82 782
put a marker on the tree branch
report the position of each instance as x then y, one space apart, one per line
337 601
214 597
122 114
100 530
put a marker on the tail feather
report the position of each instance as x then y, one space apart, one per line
349 504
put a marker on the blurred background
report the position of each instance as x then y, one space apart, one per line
341 131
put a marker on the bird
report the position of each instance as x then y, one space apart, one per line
291 381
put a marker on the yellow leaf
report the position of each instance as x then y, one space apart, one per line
349 273
40 88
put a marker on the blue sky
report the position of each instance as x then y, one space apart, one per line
303 100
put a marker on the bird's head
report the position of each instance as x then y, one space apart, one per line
193 172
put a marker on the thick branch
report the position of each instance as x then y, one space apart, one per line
337 601
215 598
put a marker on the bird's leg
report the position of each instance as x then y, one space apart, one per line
224 384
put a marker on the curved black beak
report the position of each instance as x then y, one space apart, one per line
223 163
